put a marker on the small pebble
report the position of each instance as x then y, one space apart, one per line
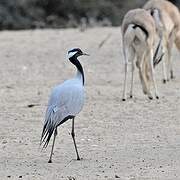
4 142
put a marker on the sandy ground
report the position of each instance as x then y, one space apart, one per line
134 140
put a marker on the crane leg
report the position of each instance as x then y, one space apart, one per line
73 136
55 134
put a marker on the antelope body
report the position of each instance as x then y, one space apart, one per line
138 36
168 26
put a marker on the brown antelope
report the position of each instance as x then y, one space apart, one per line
167 18
138 38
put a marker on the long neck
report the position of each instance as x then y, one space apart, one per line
75 61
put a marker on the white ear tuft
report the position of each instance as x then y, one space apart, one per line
71 54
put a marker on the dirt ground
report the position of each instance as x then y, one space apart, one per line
134 140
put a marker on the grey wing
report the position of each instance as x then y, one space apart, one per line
55 113
76 101
54 116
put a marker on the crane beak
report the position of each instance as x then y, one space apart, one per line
85 54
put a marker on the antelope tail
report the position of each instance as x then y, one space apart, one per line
157 59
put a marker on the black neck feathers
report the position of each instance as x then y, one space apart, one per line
78 65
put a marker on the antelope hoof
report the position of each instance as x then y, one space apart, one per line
164 81
172 75
150 97
157 97
145 91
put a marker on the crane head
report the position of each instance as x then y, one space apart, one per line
76 52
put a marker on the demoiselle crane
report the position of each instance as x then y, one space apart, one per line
65 102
